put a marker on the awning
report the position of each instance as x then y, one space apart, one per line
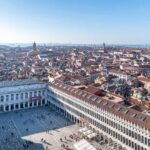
83 145
83 129
92 135
88 132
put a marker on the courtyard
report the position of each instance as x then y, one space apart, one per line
35 129
40 128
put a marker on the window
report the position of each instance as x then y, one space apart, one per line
145 140
84 95
148 142
142 118
2 98
68 89
89 96
80 93
133 134
125 111
39 93
12 97
64 87
142 139
139 137
26 95
136 135
117 107
75 91
133 114
94 98
17 96
43 93
30 94
35 93
72 90
110 105
105 103
21 95
130 133
7 98
98 100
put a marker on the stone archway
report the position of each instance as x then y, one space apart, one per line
105 139
21 105
26 105
115 145
16 106
124 148
94 130
7 108
119 147
101 136
2 108
110 142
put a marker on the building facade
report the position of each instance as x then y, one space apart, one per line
15 95
128 128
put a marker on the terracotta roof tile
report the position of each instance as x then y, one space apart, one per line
131 115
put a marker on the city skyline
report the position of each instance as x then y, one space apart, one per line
75 22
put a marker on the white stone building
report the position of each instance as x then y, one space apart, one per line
128 128
122 75
15 95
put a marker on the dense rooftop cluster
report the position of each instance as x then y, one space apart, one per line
118 74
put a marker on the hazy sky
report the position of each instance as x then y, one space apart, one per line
75 21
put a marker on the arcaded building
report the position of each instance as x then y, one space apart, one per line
127 127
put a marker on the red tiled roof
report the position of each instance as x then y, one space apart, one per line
142 79
118 72
92 89
127 116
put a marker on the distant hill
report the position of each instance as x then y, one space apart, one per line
4 46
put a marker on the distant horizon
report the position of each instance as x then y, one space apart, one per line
73 44
65 43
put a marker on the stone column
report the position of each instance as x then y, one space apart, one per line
9 109
14 106
19 106
45 101
36 103
28 104
24 105
32 104
4 108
